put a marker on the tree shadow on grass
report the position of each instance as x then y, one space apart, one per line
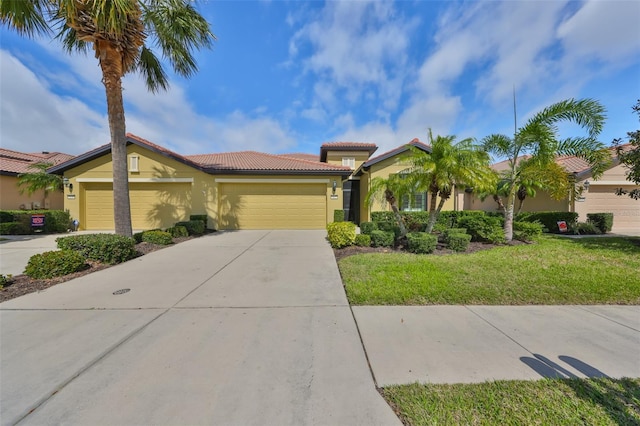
628 245
620 398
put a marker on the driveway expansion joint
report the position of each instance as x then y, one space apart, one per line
498 329
586 309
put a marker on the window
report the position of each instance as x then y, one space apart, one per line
134 161
416 203
349 162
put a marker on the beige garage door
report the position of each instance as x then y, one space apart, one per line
153 205
273 206
626 211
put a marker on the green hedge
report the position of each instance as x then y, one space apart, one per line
341 234
526 231
458 242
202 217
55 221
421 242
105 248
14 228
367 227
157 237
382 217
603 221
194 227
178 231
550 219
483 228
382 238
446 234
390 226
587 228
339 216
363 240
55 264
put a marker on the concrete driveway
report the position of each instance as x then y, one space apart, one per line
15 250
235 328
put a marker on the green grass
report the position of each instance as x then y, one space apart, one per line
598 401
554 270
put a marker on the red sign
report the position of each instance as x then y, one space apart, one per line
37 220
562 226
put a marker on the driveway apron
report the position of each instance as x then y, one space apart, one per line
235 328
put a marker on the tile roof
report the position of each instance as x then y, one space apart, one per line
365 146
302 156
414 142
251 161
14 162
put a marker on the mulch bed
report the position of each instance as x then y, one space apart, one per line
440 250
23 284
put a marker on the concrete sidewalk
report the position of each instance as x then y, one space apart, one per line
235 328
468 344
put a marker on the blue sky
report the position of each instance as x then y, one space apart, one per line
286 76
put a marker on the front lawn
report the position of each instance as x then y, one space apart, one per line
553 271
600 401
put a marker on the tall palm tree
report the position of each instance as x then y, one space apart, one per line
447 165
118 31
539 138
39 179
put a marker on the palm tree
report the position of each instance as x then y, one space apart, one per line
39 179
532 178
389 190
447 165
118 31
539 138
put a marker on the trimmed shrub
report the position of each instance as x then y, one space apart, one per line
105 248
178 231
138 237
14 228
389 227
363 240
339 215
367 227
382 238
202 217
450 219
194 227
483 228
157 237
6 216
527 231
54 264
421 242
603 221
550 219
382 216
458 242
587 228
452 231
341 234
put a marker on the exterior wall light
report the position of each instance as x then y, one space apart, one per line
333 187
586 184
67 184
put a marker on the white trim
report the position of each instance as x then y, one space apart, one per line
612 182
134 163
236 180
137 180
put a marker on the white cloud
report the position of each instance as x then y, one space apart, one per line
36 119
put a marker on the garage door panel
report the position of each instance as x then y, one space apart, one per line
271 206
626 211
153 205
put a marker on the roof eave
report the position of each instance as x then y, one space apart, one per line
279 172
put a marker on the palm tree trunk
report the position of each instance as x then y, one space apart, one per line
432 210
508 218
111 64
391 199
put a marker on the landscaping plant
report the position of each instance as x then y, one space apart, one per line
105 248
341 234
458 242
54 264
602 221
363 240
157 237
382 238
421 242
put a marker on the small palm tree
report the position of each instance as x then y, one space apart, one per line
39 179
389 190
118 32
539 138
447 165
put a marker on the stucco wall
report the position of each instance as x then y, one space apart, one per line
11 199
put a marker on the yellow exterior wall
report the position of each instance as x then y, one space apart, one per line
335 157
384 169
11 199
202 198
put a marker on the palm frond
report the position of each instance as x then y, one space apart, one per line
587 113
29 18
151 69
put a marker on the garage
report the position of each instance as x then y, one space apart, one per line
602 199
279 205
153 205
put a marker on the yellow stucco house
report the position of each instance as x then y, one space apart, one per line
14 163
236 190
598 196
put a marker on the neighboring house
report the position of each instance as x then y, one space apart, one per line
598 196
14 163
